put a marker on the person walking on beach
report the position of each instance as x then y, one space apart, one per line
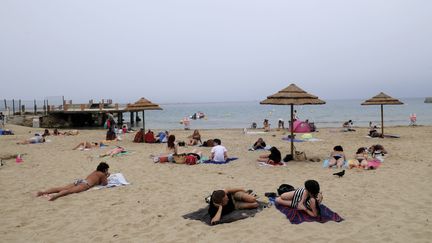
218 152
97 177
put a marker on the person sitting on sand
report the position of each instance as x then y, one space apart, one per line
306 199
348 126
195 138
337 157
218 152
171 149
149 137
361 158
374 133
225 201
113 152
208 143
274 158
36 139
377 152
259 144
88 145
98 177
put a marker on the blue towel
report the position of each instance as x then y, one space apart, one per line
294 140
219 162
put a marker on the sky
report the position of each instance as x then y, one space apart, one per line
171 51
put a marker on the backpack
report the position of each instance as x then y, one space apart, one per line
285 188
191 160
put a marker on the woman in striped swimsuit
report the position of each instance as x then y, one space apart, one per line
306 199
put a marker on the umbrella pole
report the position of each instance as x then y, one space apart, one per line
143 121
292 131
382 120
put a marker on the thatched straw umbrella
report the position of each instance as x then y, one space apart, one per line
292 95
382 99
142 105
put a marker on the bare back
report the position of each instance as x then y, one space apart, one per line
97 178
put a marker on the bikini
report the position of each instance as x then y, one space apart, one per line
336 157
81 181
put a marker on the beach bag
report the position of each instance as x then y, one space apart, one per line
191 160
179 158
285 188
300 156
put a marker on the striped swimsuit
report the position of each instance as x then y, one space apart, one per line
298 193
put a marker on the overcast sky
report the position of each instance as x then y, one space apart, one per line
220 50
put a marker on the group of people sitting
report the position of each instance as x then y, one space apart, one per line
361 158
225 201
149 137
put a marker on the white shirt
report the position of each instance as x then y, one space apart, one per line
219 152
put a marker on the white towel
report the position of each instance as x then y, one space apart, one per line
114 180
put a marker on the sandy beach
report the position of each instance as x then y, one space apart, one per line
389 204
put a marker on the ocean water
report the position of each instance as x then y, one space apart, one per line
242 114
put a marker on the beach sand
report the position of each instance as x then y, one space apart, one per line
389 204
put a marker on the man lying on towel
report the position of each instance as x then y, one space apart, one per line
98 177
225 201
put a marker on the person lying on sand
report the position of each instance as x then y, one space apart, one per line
113 152
36 139
88 145
98 177
225 201
306 199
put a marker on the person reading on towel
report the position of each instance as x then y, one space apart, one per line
274 158
306 199
218 152
98 177
225 201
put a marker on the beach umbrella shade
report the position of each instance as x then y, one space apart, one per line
292 95
382 99
142 105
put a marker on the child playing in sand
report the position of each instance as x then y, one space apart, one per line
337 157
306 199
225 201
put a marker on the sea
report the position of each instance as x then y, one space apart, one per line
243 114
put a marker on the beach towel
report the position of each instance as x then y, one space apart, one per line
326 164
391 136
266 164
219 162
203 216
299 216
114 180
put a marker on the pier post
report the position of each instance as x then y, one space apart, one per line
132 120
143 121
5 104
13 107
34 107
19 106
